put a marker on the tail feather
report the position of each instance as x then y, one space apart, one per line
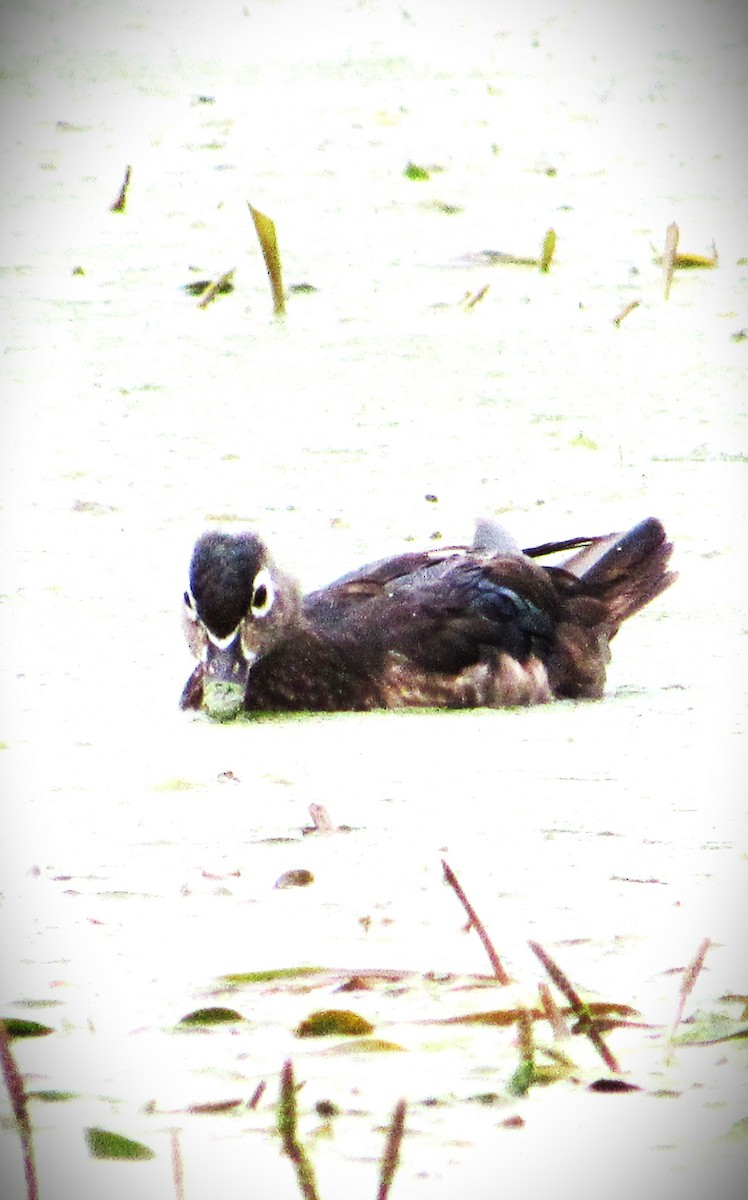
628 571
492 538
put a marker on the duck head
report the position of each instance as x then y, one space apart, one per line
237 609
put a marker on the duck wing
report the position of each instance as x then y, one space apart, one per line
442 612
340 599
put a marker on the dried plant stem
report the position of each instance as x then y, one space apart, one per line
121 201
391 1155
321 818
214 287
668 257
547 251
14 1084
177 1165
477 924
628 308
265 229
525 1036
552 1013
471 300
287 1128
691 974
525 1075
585 1019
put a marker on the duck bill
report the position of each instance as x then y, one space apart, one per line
225 677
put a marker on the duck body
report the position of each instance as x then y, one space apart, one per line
474 626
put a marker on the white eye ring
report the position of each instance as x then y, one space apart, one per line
263 593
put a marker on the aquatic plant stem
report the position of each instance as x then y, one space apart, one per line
287 1128
14 1084
266 235
690 975
177 1165
119 204
668 258
391 1155
477 924
585 1020
552 1013
220 283
624 312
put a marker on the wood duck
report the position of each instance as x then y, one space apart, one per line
484 625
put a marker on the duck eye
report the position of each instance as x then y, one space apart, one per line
263 594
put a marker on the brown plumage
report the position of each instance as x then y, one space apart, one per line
463 627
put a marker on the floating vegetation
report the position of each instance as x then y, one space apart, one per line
296 878
17 1027
265 229
211 1016
706 1028
365 1046
278 974
613 1085
93 507
496 1016
176 785
413 171
491 258
582 442
442 206
538 1065
332 1022
695 262
102 1143
215 1107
